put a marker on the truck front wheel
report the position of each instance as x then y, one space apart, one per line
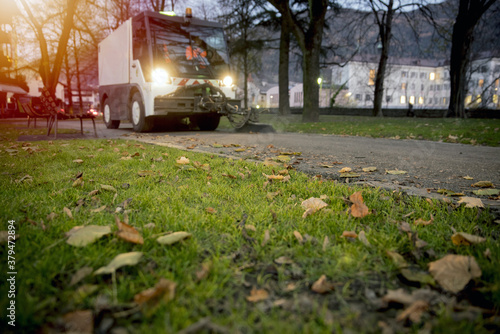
138 114
110 124
208 122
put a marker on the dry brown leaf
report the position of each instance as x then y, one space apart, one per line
345 170
322 285
250 227
399 296
362 238
204 270
397 259
81 322
68 212
128 233
78 161
312 205
182 161
414 312
326 242
462 238
471 202
266 238
349 234
453 272
211 210
358 208
273 177
298 236
483 184
420 221
257 295
164 290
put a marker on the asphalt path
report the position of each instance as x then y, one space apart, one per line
428 166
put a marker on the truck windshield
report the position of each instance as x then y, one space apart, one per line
188 50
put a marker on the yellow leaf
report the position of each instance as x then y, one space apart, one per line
395 172
173 238
398 259
274 177
468 177
182 161
462 238
483 184
78 161
298 236
312 205
345 170
369 169
124 259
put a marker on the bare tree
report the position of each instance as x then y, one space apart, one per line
50 70
469 14
309 35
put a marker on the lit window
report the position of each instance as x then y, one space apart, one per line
495 99
432 76
444 100
478 99
468 99
402 99
497 83
480 83
403 86
371 79
420 100
412 99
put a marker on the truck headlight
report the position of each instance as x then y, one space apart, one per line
160 76
227 81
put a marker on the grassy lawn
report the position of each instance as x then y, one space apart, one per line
251 262
466 131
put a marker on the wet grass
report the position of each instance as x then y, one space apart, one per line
160 196
465 131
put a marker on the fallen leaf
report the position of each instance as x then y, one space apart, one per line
273 177
86 235
345 170
150 299
369 169
78 161
483 184
414 312
312 205
80 274
358 208
397 259
298 236
453 272
249 227
78 183
68 212
349 175
99 209
81 322
471 202
349 234
486 192
468 177
322 285
257 295
420 221
399 296
204 270
283 158
283 260
124 259
395 172
108 188
416 275
462 238
182 161
210 210
128 233
173 238
4 237
240 150
326 242
266 238
362 238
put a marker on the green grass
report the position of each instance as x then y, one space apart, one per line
465 131
176 199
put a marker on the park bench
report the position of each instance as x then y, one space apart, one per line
27 108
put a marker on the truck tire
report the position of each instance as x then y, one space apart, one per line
208 122
138 115
106 115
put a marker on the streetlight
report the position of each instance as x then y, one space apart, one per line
320 83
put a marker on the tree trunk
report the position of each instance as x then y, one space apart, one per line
284 99
311 87
69 88
245 75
